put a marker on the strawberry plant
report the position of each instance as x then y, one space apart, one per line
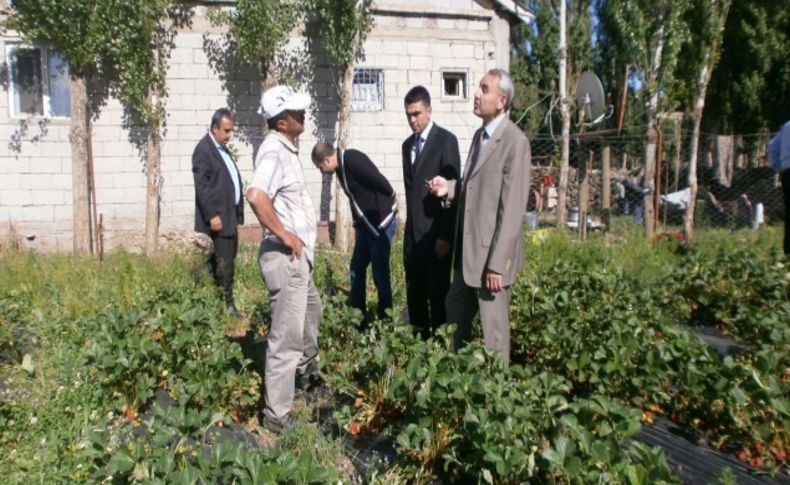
171 341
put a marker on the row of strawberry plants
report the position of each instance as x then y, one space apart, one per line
598 327
173 342
465 417
747 402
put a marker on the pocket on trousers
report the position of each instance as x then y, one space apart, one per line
273 269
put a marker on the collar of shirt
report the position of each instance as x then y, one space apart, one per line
422 137
491 127
285 141
425 132
229 162
216 144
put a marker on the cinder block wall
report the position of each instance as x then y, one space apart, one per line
412 42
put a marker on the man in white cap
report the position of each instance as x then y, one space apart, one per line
278 196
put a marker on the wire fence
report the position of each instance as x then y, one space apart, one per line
736 186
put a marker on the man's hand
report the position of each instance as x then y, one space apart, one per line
216 223
264 210
493 281
438 186
292 242
442 249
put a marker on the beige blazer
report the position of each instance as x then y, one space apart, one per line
495 196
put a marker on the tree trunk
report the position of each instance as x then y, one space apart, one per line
606 183
78 137
699 105
725 159
268 80
153 171
649 181
650 136
562 190
342 212
676 157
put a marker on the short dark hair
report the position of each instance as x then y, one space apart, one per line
321 150
417 94
219 115
271 123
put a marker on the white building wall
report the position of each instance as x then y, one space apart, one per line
412 42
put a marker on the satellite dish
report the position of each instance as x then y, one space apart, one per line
590 98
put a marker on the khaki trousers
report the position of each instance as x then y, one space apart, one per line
462 304
292 343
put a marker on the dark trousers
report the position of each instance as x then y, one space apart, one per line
785 176
374 251
427 282
222 264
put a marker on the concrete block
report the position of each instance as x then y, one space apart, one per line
17 197
65 212
109 196
129 180
37 213
188 71
183 55
11 181
395 48
52 197
45 165
181 117
191 40
182 86
419 76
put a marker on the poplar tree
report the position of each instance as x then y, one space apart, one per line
127 43
344 26
647 35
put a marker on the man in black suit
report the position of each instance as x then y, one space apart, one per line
430 151
219 207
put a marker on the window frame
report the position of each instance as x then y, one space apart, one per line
46 97
360 106
462 75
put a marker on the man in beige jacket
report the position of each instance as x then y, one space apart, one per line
491 199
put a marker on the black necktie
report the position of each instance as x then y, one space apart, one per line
417 149
475 152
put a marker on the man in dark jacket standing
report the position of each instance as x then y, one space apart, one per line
219 207
430 151
374 207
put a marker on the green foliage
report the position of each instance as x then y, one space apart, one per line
534 58
646 35
173 342
73 27
137 52
601 336
258 29
702 47
124 42
750 87
169 450
344 24
745 398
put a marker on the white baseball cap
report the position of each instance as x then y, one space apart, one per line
282 98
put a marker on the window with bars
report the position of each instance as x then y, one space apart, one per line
367 90
38 82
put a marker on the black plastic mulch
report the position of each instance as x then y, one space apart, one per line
695 463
